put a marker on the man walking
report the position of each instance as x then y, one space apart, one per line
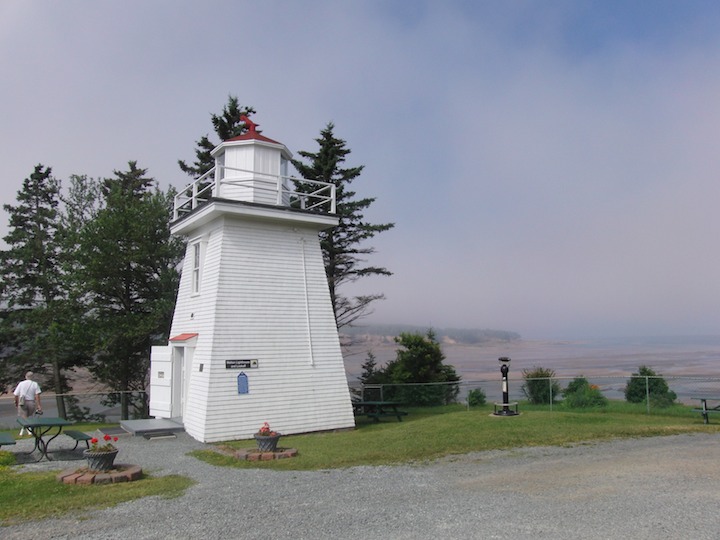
27 398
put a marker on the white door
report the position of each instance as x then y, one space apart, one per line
161 382
182 372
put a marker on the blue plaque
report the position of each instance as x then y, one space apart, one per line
242 383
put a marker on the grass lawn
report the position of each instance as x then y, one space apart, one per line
430 433
38 495
424 435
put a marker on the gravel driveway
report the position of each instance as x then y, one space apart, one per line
648 488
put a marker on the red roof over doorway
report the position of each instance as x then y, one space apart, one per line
183 337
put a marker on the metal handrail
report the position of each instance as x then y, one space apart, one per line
208 186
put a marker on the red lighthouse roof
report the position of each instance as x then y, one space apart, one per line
252 133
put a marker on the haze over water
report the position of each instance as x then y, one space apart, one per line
692 356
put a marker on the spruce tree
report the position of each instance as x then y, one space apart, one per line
127 264
343 246
419 359
34 332
226 126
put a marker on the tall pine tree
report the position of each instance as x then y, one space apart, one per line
127 265
34 329
343 247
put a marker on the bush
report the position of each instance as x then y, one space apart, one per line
636 390
418 375
580 394
539 388
476 397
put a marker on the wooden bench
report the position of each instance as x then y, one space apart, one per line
377 415
78 436
6 438
378 409
704 410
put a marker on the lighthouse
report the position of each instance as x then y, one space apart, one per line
253 336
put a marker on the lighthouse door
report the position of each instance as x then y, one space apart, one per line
182 370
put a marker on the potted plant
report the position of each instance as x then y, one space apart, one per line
267 439
101 454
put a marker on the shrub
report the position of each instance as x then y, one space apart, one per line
476 397
580 394
539 388
636 390
419 359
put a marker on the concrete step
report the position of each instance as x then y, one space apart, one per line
152 426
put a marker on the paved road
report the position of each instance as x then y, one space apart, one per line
648 488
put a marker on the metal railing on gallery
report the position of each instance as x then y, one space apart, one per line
283 190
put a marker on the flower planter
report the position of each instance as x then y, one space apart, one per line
100 461
267 443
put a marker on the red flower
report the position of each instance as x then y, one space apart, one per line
103 445
265 431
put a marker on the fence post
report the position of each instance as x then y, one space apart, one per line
551 394
647 393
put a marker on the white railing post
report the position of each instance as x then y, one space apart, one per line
219 173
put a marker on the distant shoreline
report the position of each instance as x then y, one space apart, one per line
671 356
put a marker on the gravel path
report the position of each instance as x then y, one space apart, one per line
649 488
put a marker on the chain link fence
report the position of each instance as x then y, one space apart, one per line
106 407
687 389
91 407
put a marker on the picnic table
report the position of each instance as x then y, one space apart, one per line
378 409
705 410
41 427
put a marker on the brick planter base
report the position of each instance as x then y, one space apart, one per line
253 454
121 473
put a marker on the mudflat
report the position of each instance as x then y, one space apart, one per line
685 357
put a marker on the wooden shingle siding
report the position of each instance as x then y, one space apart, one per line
262 283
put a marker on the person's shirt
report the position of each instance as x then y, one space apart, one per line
27 388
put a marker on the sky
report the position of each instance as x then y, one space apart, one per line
551 166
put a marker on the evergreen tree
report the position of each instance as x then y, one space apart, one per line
370 372
419 359
342 247
127 265
34 332
226 126
647 383
30 266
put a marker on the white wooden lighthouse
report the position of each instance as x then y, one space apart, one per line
253 336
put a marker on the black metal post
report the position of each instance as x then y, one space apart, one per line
504 368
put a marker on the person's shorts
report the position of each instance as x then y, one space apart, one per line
27 409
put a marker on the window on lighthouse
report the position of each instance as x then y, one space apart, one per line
196 269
